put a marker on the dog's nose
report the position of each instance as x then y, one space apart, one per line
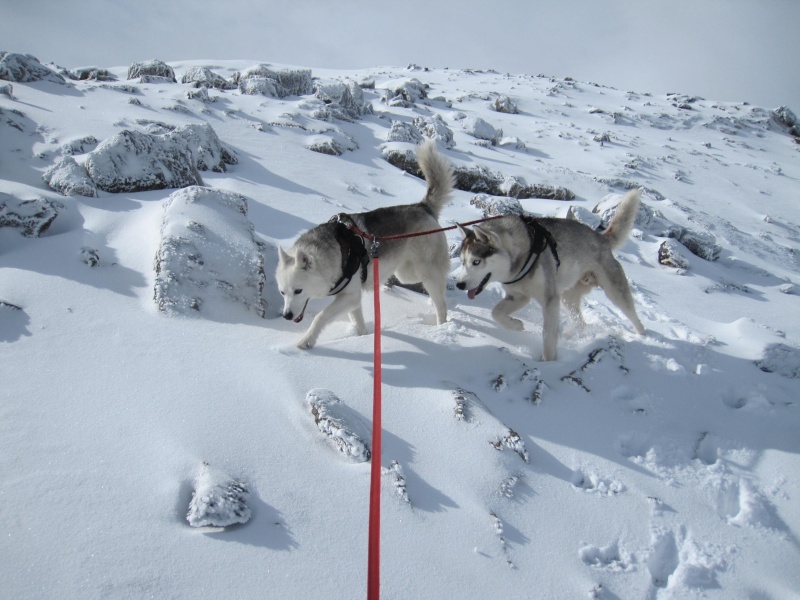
288 315
461 285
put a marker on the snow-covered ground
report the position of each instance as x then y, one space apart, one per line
663 466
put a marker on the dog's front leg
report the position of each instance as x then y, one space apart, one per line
341 304
510 304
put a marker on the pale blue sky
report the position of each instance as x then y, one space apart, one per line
729 50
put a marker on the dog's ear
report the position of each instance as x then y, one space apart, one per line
283 256
305 261
465 233
484 236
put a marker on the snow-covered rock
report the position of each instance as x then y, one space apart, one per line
782 359
343 100
262 80
32 217
208 257
493 206
152 71
436 129
481 129
24 68
203 77
669 255
69 178
504 104
341 425
78 145
131 161
401 131
405 93
218 500
7 90
91 74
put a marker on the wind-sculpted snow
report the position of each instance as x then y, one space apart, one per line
208 258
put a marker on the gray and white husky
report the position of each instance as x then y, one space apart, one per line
550 260
331 260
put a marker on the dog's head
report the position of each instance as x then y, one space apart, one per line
482 260
298 280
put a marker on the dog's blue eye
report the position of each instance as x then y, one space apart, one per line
476 262
298 292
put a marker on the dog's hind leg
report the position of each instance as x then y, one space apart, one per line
436 290
357 319
615 285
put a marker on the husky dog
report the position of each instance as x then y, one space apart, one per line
326 260
549 260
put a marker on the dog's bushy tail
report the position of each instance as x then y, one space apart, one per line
438 174
621 223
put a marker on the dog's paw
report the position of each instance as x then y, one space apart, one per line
512 324
306 343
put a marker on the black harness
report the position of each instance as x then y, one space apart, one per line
540 239
354 252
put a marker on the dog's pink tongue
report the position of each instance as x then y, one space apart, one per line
472 293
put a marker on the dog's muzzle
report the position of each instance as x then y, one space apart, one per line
476 290
289 315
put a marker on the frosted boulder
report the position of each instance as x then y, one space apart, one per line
32 217
24 68
69 178
152 71
132 161
504 104
493 206
218 500
208 259
339 423
405 93
781 359
436 129
481 130
343 100
203 77
91 74
263 80
403 132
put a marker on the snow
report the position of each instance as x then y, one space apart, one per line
662 466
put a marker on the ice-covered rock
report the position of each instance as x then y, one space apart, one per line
24 68
208 257
699 243
340 424
32 217
669 255
218 500
493 206
91 74
405 93
481 129
343 100
7 90
69 178
262 80
504 104
203 77
131 161
78 145
401 131
436 129
152 71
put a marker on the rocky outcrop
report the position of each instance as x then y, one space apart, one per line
208 257
263 80
24 68
132 161
203 77
152 71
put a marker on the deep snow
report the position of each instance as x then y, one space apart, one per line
663 466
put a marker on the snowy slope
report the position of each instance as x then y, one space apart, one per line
663 466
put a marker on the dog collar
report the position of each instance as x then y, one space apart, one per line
354 254
540 239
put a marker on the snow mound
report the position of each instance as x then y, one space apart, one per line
208 256
218 500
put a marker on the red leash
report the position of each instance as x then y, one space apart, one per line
374 552
374 546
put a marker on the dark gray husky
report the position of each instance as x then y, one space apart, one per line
549 260
332 260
